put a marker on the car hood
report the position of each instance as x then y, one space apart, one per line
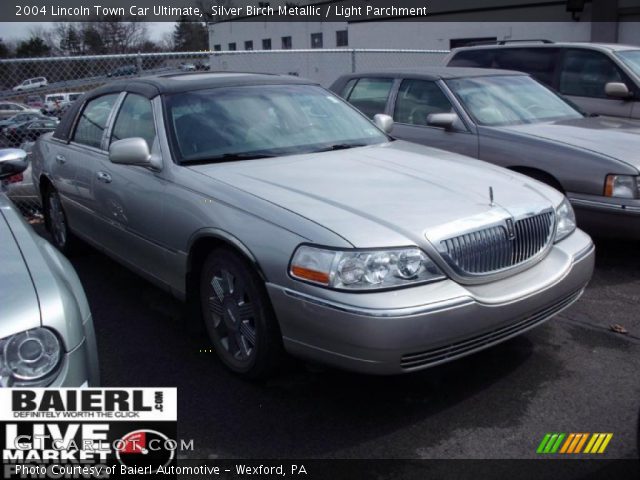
20 310
613 137
390 194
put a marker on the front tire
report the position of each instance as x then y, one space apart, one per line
238 315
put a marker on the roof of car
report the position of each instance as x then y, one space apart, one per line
537 44
435 73
153 86
190 81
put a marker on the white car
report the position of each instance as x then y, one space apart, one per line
31 83
56 101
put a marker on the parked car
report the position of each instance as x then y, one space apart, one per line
187 67
46 330
56 102
509 119
31 83
30 130
20 188
34 101
123 71
9 109
293 221
25 116
600 78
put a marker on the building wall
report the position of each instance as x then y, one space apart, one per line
446 26
224 33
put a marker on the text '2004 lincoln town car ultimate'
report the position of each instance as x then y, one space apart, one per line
298 225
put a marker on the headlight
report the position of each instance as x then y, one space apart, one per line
29 358
621 186
363 269
565 220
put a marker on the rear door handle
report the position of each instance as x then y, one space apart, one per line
60 159
104 177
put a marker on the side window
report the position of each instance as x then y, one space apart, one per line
370 95
540 63
93 120
585 73
417 99
346 90
135 119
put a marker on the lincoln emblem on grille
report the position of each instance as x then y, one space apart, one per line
511 231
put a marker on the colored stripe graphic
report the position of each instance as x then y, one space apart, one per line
573 443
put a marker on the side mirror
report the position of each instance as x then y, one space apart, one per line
442 120
12 162
130 151
617 90
383 122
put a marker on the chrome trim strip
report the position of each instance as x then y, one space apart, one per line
380 313
447 353
605 206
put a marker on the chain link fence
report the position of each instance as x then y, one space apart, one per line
36 92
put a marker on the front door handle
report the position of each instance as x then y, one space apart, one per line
60 159
104 177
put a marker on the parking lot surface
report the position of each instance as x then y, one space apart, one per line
574 374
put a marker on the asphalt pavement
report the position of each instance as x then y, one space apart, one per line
574 374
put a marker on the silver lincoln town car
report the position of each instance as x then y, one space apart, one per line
298 225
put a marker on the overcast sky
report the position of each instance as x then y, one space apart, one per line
20 30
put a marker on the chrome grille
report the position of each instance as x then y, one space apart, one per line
491 249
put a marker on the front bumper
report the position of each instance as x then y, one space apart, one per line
607 217
414 328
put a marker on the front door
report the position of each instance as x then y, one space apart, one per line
415 101
130 199
583 76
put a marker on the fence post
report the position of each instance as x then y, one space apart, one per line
139 63
353 60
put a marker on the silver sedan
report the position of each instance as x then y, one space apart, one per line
509 119
293 223
46 331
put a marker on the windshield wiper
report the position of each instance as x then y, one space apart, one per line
340 146
228 157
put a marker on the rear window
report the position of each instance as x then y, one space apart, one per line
477 58
540 63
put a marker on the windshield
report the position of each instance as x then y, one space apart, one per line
231 123
632 59
510 100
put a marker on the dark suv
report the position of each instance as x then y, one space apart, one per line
600 78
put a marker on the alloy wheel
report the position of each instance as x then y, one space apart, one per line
232 316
